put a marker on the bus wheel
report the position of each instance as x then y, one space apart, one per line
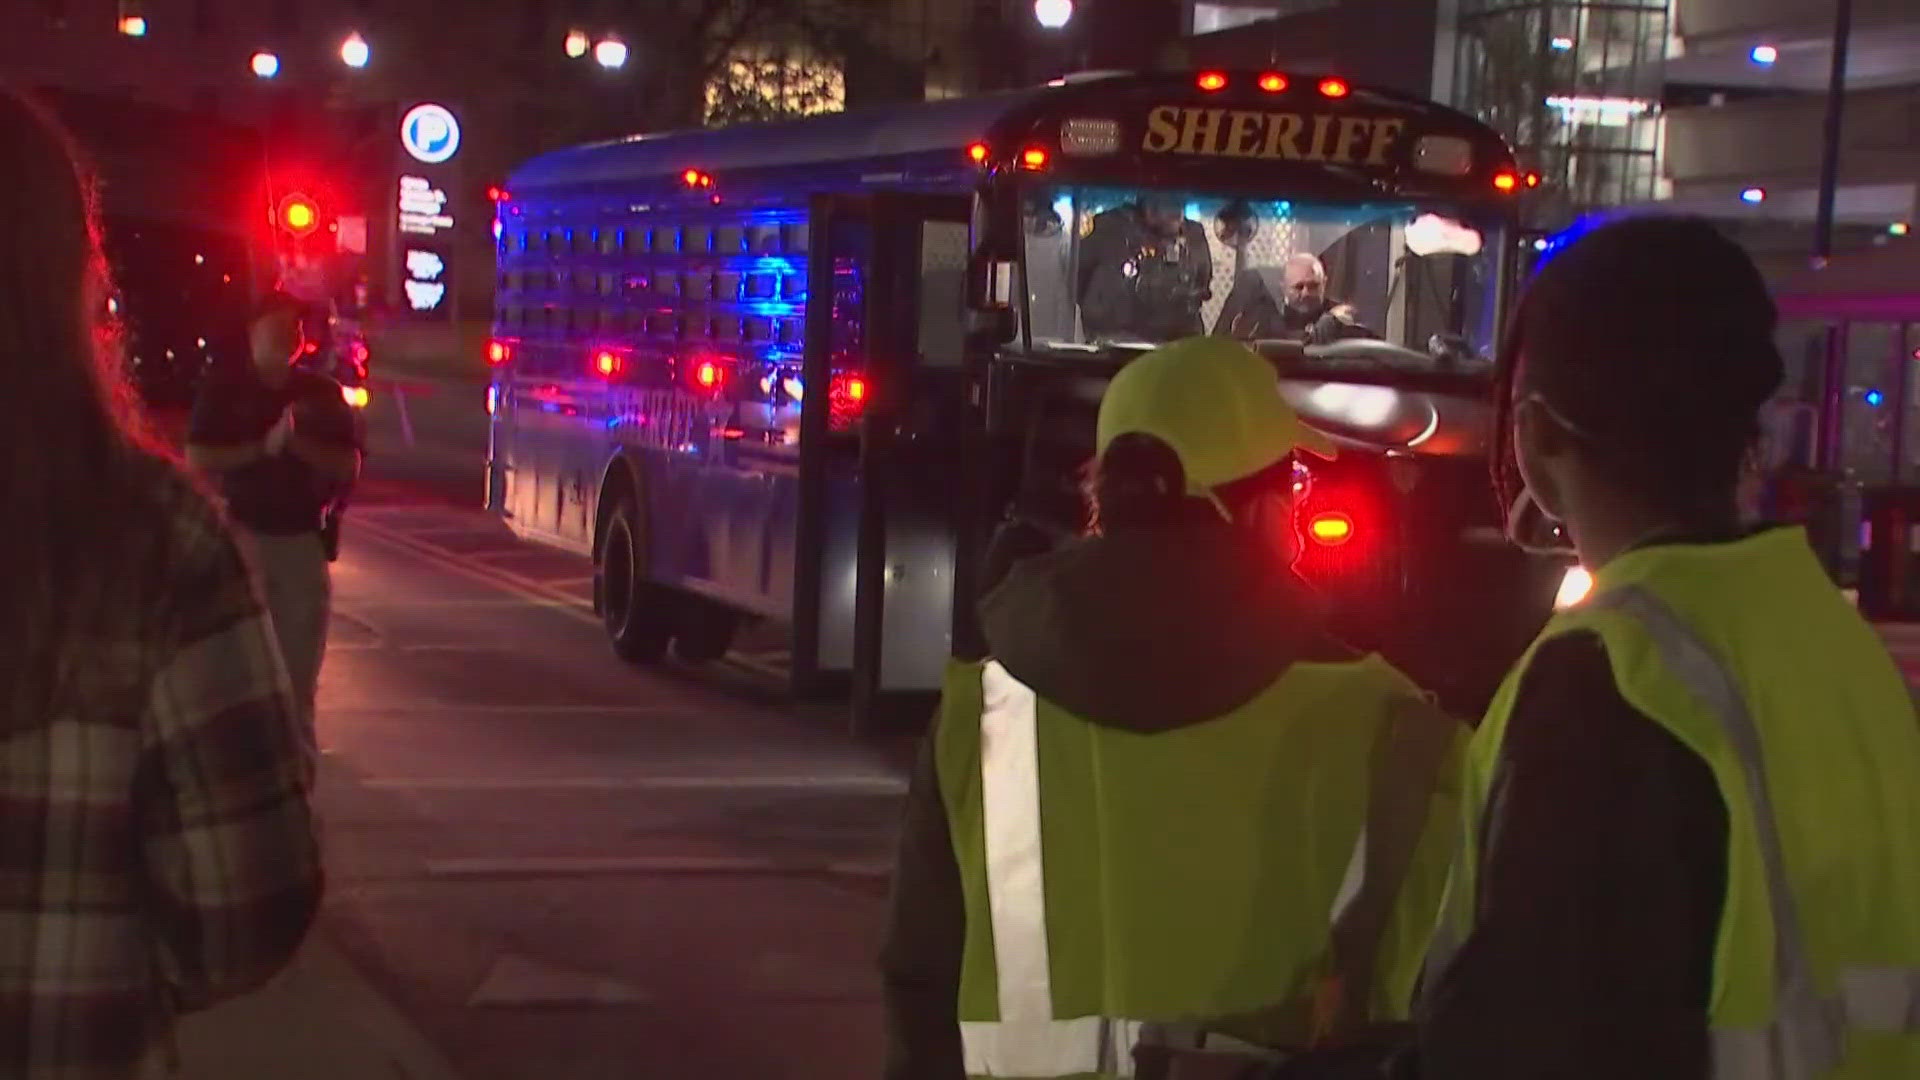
635 611
705 632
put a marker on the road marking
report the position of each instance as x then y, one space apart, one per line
526 982
594 865
354 604
864 784
505 580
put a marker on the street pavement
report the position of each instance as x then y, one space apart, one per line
544 863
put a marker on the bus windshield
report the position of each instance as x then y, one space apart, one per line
1132 265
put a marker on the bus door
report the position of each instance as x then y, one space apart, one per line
873 588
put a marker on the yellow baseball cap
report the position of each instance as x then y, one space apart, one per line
1216 402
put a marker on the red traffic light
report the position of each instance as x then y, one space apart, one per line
299 215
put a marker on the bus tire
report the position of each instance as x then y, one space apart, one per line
637 613
705 632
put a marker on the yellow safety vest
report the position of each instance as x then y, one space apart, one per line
1120 887
1748 655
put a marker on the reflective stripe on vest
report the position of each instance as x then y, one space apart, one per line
1026 1040
1807 1036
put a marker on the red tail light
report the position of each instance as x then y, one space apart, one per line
1273 82
1330 527
361 354
1211 81
1034 157
708 375
1505 181
607 363
1335 88
977 153
847 399
499 352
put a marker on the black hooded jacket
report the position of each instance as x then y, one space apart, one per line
1144 630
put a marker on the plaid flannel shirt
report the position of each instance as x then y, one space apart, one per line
157 851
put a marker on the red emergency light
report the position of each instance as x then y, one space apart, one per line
694 178
847 399
1211 81
496 193
977 153
1330 527
1335 88
499 352
1034 157
607 363
1506 181
1273 82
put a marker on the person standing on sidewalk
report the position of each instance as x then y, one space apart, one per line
1166 809
284 447
157 851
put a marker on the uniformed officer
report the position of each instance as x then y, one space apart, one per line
1692 814
1166 806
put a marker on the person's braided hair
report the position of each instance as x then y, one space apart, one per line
1653 339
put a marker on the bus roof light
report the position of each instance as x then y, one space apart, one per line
1273 82
1211 81
1335 88
1088 136
1034 157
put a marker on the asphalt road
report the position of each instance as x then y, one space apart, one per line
557 866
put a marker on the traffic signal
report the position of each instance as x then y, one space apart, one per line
299 214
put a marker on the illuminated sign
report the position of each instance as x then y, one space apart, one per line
430 133
1274 136
425 265
425 283
423 207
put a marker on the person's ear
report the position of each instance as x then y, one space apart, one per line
1540 445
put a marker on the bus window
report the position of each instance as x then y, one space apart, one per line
697 285
609 241
760 286
726 285
730 240
666 239
1147 265
763 240
795 238
793 288
943 288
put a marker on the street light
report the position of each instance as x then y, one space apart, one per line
354 52
265 64
1053 14
610 53
577 44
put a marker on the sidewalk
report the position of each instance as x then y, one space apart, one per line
318 1021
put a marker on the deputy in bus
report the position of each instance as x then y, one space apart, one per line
1166 806
1145 271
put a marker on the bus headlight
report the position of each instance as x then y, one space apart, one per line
1575 584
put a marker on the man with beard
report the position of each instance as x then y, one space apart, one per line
1145 270
1296 306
